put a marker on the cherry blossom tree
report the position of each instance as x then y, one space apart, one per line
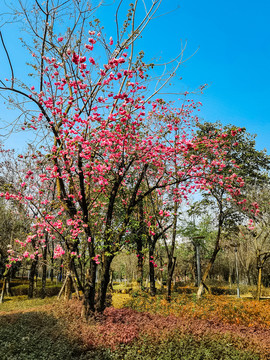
110 142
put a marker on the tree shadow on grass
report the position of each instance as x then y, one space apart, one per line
38 336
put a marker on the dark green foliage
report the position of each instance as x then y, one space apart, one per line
254 164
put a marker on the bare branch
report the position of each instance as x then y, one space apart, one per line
43 46
40 7
116 20
8 57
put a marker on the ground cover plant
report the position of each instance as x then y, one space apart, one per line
51 329
225 309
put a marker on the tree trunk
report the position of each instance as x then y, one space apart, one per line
230 277
32 278
51 274
171 267
44 274
152 273
89 291
259 283
170 251
140 269
139 243
197 264
105 279
52 262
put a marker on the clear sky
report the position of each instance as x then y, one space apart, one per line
233 42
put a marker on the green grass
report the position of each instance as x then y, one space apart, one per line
22 303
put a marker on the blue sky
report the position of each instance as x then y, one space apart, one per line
233 57
232 39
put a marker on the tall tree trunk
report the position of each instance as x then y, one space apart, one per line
171 267
140 268
105 279
43 280
152 272
82 268
89 291
52 262
230 276
52 272
259 283
170 253
32 278
44 273
197 261
139 244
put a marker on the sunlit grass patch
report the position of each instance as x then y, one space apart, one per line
19 303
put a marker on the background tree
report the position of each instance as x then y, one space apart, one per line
241 161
